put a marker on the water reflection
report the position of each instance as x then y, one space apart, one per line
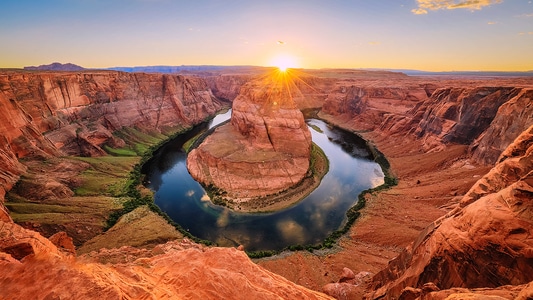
308 222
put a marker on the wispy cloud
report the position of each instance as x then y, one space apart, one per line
492 23
374 43
426 5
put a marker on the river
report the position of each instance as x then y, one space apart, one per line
307 222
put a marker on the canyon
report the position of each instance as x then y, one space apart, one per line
458 223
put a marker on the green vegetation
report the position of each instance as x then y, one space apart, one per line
187 146
316 128
89 210
119 151
133 185
106 176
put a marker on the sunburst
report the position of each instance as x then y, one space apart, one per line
284 61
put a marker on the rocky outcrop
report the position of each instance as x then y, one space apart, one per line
368 104
484 242
486 118
175 270
264 150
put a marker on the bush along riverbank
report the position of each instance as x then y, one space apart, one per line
137 195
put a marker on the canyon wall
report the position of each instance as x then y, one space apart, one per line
483 242
50 114
487 119
227 87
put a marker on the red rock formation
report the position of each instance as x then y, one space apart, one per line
477 116
50 114
227 86
483 242
369 103
513 117
34 268
264 150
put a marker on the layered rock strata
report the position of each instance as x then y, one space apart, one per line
481 117
49 114
486 118
483 242
175 270
265 148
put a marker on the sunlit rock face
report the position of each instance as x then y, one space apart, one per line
483 242
175 270
263 150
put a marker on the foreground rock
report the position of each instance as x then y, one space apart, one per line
175 270
265 149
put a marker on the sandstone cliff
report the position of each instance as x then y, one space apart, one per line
462 115
484 242
227 87
264 150
45 115
53 113
368 104
485 118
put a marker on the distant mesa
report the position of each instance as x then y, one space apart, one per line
264 150
56 67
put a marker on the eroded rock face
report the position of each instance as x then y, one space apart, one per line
263 150
513 117
481 243
227 87
176 270
486 118
51 114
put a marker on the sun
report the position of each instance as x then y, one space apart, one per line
284 62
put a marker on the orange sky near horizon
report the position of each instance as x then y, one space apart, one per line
430 35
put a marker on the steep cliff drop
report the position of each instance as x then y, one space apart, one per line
265 149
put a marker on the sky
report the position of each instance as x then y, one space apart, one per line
430 35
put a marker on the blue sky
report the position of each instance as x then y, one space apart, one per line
434 35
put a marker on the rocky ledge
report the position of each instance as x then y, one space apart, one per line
264 150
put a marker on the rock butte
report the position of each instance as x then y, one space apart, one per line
458 225
265 149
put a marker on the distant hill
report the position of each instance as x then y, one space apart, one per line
202 69
411 72
56 67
